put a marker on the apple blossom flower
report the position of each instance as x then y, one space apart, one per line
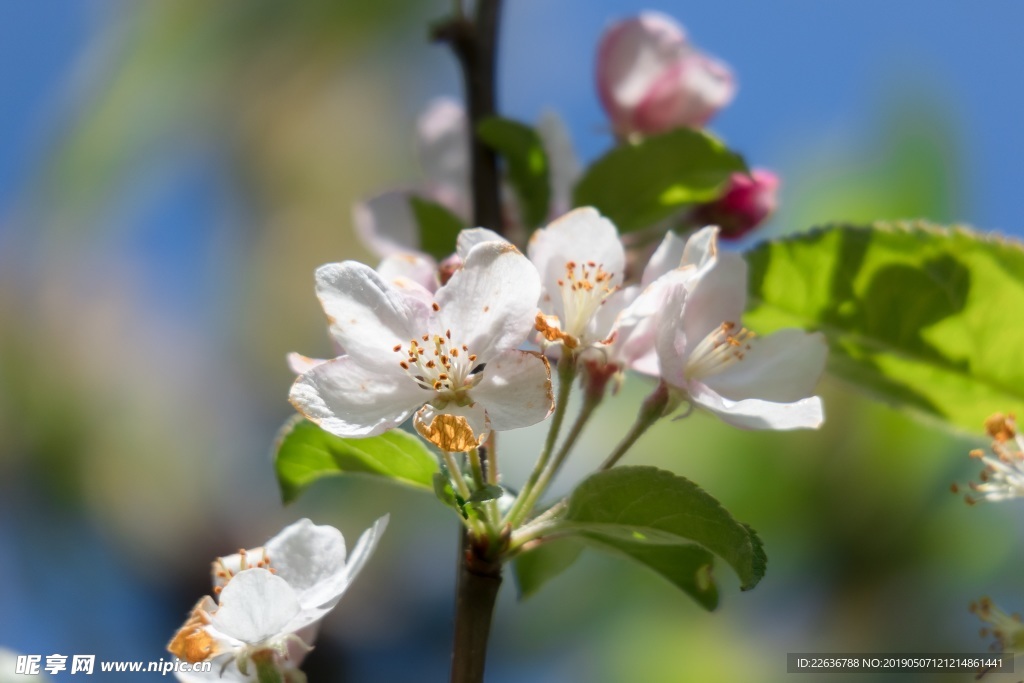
454 360
631 342
651 79
705 354
747 202
413 275
1003 476
270 601
581 262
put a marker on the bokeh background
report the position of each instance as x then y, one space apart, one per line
172 172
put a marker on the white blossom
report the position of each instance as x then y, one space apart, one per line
270 600
455 358
714 362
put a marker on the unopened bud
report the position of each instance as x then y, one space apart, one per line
651 79
747 202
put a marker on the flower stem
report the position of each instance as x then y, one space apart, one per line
477 468
652 409
474 42
459 484
590 403
475 594
566 375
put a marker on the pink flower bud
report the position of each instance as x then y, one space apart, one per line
651 79
748 200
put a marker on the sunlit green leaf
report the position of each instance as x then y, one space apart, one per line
638 185
439 227
527 164
306 453
920 316
665 522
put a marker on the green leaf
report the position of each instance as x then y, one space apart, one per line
539 565
687 567
439 227
638 185
527 163
489 492
666 523
306 453
920 316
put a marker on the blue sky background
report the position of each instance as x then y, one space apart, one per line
810 73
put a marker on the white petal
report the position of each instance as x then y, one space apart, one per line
407 268
351 400
668 256
670 336
255 606
443 140
470 237
386 223
757 414
563 164
300 364
368 316
515 390
365 547
636 326
581 236
784 366
716 296
608 313
701 247
311 558
490 304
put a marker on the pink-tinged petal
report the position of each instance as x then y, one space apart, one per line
300 364
368 317
351 400
254 606
687 94
632 56
757 414
748 200
784 367
515 390
386 223
490 303
563 165
668 256
717 296
580 236
470 237
443 141
408 269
